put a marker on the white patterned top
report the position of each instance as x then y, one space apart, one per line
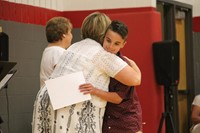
50 57
96 64
196 100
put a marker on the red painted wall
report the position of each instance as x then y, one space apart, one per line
25 13
39 16
144 28
196 24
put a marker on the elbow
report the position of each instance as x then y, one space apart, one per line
139 81
136 81
117 101
194 120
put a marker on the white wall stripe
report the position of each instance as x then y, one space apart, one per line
77 5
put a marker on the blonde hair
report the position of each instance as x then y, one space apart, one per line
94 26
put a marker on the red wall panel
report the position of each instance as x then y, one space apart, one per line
196 24
37 15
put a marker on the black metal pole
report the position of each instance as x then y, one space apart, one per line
171 108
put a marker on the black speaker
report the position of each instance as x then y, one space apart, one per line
4 46
166 62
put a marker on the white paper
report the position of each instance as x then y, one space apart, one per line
5 80
64 91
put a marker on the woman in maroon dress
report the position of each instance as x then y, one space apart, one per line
123 112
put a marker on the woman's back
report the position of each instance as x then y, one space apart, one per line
96 64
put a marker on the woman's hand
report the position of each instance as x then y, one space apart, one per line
87 88
112 97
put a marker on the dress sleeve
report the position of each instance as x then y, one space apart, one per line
56 56
109 63
196 100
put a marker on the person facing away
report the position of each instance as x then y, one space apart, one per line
58 34
123 111
195 116
97 66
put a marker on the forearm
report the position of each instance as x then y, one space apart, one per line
112 97
132 71
138 74
196 120
128 76
195 116
135 68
